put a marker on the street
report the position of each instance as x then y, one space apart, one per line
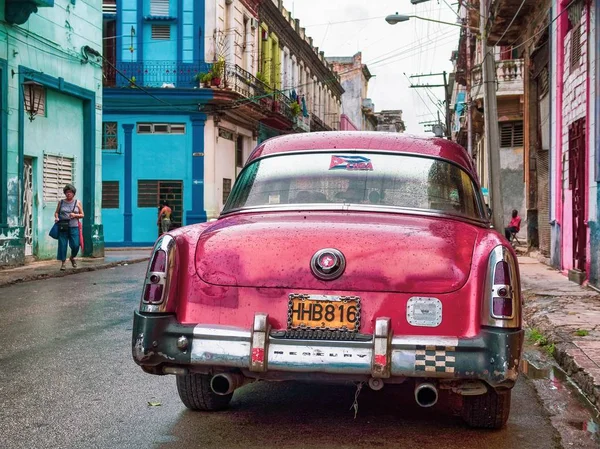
67 380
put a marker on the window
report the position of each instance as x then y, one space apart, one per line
225 134
575 48
511 134
159 7
369 180
575 14
239 151
161 128
110 194
226 189
151 193
109 136
109 6
58 171
161 32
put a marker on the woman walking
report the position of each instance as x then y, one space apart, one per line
67 215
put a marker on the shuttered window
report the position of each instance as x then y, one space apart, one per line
511 134
58 171
159 7
110 194
161 32
576 48
109 6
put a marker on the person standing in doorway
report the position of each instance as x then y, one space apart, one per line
164 217
67 214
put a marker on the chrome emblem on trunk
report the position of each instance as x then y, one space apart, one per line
328 264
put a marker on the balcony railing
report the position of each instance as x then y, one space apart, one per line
509 75
256 91
153 74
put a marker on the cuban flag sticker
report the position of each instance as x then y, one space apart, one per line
350 163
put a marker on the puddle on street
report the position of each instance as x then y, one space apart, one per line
559 380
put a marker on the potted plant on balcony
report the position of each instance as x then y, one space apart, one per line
296 109
203 79
217 72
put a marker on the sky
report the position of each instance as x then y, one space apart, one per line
392 52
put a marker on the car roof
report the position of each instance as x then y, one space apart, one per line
369 141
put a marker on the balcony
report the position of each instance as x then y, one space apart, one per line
154 74
509 75
505 14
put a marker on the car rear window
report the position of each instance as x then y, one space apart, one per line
390 180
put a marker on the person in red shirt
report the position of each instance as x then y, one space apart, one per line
514 225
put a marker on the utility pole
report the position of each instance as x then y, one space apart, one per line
446 96
492 132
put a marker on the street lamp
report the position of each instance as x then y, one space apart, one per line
32 97
393 19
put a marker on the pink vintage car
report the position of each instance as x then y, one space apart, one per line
341 256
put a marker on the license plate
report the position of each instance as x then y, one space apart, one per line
324 312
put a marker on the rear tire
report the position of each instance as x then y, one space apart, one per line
487 411
195 393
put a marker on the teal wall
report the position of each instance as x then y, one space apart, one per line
47 48
63 112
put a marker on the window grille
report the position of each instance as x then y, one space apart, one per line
58 171
159 7
161 128
511 134
226 189
575 48
161 32
110 194
109 136
151 193
109 6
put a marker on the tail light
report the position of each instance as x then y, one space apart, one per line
159 276
502 298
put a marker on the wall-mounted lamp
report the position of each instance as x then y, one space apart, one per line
32 97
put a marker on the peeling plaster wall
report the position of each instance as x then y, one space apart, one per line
513 193
49 42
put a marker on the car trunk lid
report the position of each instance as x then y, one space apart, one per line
384 252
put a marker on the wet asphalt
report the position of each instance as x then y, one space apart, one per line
67 380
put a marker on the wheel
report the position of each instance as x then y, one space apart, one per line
487 411
195 393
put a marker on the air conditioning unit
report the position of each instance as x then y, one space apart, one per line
253 23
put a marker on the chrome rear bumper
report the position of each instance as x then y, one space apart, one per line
159 341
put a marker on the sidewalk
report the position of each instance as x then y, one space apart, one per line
565 319
50 268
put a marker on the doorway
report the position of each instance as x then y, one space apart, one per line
577 185
28 204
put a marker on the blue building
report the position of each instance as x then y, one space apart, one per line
50 112
190 88
153 127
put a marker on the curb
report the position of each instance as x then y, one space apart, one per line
567 355
58 274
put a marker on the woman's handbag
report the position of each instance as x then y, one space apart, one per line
54 231
63 225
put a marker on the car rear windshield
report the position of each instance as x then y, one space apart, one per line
377 180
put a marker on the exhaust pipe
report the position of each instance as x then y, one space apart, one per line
426 394
226 383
